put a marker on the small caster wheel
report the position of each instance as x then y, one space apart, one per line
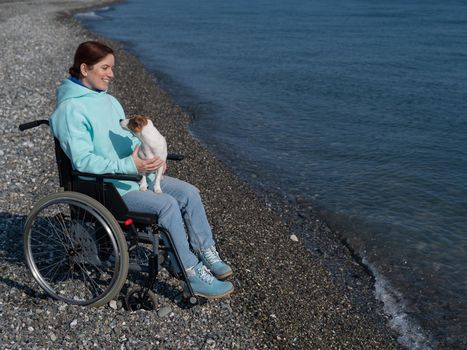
140 298
193 300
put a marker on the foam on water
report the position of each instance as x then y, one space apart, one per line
410 333
91 15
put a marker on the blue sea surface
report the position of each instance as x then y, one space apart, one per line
357 106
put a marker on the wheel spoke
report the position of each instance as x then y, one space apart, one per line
54 229
65 233
54 266
96 286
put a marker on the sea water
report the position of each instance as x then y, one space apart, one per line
357 106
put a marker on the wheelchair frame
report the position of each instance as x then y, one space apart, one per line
78 243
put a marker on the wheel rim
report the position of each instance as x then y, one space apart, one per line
71 251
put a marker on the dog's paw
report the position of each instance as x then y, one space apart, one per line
143 189
157 190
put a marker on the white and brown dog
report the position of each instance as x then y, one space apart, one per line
153 144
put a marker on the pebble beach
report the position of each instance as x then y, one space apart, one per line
288 295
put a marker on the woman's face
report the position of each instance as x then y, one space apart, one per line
98 76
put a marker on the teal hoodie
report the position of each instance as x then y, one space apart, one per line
86 122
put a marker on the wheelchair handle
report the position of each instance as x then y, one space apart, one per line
33 124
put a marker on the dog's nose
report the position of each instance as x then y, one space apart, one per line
120 120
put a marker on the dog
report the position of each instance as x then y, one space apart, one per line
153 144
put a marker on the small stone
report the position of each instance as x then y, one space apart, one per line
294 238
53 337
113 304
164 311
73 323
31 329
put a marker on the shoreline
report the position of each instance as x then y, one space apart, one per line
307 222
273 306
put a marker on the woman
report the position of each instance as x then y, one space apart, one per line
86 122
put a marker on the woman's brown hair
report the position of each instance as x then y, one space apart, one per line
89 52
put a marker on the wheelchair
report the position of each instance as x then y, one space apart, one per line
80 244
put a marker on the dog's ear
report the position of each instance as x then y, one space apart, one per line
144 120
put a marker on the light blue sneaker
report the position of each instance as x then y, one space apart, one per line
210 258
206 285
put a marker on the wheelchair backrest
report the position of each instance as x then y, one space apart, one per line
64 167
104 192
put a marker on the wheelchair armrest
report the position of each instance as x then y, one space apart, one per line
122 177
175 156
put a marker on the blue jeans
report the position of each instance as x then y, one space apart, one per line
179 204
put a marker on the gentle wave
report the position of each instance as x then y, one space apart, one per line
410 332
88 16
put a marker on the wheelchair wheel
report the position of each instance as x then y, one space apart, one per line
75 249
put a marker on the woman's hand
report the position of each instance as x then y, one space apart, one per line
147 165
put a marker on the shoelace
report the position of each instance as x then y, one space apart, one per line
205 275
212 256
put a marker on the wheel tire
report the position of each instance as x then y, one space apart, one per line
75 249
136 300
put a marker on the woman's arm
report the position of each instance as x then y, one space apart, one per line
73 130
